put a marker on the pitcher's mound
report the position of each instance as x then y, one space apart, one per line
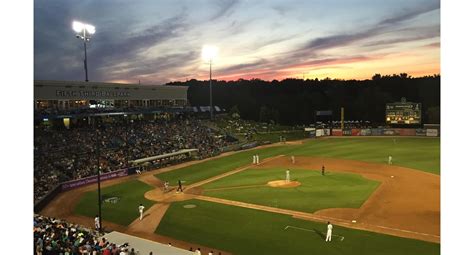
283 184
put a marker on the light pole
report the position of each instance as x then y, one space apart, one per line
208 54
84 32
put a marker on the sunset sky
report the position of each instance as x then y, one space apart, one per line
160 41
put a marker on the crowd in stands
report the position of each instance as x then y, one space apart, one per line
56 237
66 154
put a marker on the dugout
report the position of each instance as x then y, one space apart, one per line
162 160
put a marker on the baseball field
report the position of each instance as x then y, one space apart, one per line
236 207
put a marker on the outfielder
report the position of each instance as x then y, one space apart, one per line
258 159
329 233
254 159
288 175
390 159
140 209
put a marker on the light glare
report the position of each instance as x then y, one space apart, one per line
90 29
209 52
77 26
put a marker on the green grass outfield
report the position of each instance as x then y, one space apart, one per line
334 190
417 153
247 231
131 195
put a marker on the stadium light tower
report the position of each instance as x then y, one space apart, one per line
83 32
209 53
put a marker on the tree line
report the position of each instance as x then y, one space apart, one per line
294 101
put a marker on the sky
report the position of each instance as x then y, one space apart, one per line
157 41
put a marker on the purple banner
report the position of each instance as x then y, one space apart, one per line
93 179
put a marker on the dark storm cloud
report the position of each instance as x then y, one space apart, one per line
109 51
163 64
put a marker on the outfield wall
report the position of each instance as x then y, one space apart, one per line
93 179
431 132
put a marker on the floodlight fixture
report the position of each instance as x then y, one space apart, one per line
209 52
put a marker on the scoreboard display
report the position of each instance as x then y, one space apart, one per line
403 113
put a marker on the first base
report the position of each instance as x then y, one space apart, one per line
354 221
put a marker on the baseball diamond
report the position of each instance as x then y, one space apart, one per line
357 194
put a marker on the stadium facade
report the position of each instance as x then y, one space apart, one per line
69 95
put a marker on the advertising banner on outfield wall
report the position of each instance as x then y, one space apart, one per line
319 132
390 131
93 179
347 132
337 132
327 132
431 132
366 132
420 132
355 132
377 131
407 131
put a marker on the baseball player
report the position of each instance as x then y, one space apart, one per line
288 175
390 159
180 186
97 222
258 159
140 209
322 170
254 159
329 233
293 159
166 185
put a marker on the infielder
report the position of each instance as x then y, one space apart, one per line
258 159
329 233
254 159
97 222
293 159
140 209
322 170
288 175
390 159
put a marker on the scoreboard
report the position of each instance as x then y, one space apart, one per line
403 113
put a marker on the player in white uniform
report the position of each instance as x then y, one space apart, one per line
288 175
140 210
254 159
293 159
97 222
390 159
258 159
329 233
